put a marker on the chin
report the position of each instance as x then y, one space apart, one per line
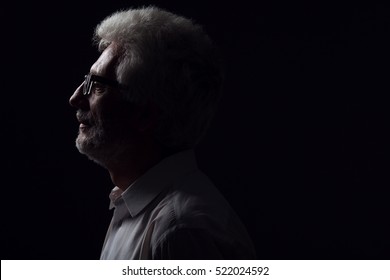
103 154
87 145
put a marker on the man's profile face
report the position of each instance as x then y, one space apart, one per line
105 119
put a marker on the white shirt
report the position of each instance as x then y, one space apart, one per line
174 211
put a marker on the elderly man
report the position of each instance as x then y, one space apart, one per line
143 107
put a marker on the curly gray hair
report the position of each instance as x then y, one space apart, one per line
169 60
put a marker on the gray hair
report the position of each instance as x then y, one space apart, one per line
170 61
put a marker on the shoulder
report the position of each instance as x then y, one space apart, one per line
195 212
191 203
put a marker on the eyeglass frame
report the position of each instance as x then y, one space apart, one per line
90 78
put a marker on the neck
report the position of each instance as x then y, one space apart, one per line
130 167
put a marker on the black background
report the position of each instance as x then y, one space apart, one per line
300 144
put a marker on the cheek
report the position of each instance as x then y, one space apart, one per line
113 113
123 117
101 108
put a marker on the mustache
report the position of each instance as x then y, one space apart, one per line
84 117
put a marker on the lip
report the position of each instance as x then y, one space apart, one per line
84 123
84 126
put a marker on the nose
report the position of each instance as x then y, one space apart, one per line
78 100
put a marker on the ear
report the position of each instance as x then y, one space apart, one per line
146 118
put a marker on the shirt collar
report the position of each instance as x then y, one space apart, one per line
160 177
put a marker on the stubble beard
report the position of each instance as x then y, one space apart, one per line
102 145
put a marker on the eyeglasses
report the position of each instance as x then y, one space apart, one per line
89 79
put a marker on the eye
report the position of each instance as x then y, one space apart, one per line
98 88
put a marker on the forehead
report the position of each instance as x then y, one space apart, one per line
106 64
